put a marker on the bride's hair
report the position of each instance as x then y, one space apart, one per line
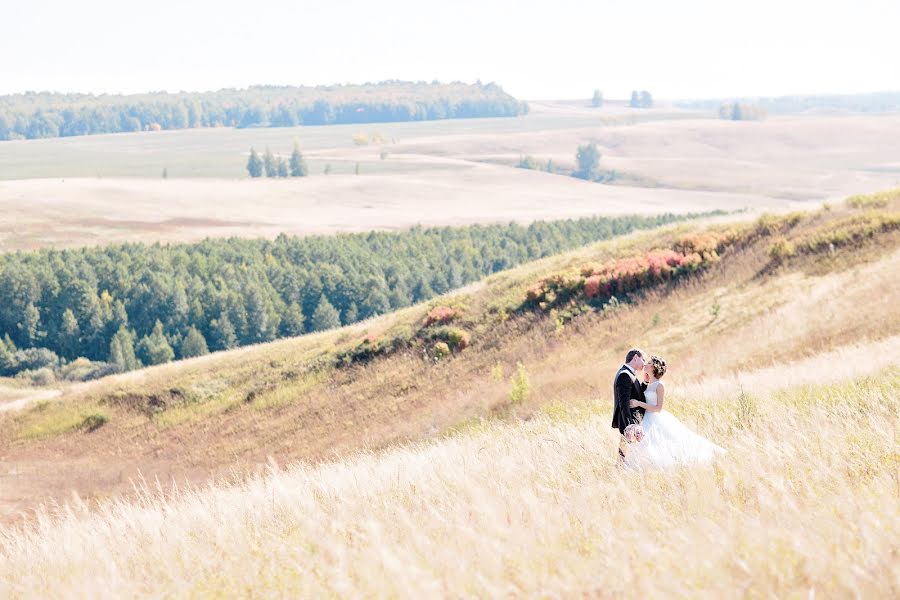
659 366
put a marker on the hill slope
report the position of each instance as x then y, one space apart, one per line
775 295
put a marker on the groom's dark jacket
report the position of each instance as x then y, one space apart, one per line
627 387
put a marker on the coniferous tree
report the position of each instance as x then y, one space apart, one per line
194 344
298 165
325 316
351 314
597 100
224 336
254 164
293 322
269 165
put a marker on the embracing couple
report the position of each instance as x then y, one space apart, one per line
651 437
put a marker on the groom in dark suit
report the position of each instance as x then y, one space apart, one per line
628 386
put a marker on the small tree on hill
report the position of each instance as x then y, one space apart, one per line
254 164
597 100
588 158
298 165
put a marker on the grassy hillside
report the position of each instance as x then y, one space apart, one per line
777 290
536 507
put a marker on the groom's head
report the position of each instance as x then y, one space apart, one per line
635 359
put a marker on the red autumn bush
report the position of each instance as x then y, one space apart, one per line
626 275
440 315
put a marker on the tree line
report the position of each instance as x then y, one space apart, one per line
122 306
276 166
44 115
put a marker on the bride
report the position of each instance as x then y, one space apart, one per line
667 441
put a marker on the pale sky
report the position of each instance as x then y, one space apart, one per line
535 50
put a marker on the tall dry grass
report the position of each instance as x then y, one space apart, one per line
805 504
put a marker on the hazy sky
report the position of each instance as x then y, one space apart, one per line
536 50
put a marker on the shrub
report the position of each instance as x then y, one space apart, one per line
32 359
42 376
529 162
781 250
870 201
520 389
93 422
441 350
459 339
440 314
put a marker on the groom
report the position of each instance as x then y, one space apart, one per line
627 387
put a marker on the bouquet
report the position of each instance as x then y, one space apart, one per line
634 433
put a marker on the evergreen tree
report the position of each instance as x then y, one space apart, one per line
254 164
298 165
588 159
121 351
155 349
351 314
194 344
269 163
281 167
293 322
260 324
325 316
224 336
597 100
646 99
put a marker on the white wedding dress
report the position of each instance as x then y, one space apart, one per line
667 441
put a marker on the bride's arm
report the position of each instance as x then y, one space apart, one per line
660 396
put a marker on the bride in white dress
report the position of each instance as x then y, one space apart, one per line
667 442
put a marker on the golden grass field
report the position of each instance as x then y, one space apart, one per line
90 190
409 478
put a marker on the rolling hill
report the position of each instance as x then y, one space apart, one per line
490 469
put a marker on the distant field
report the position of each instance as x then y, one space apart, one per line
97 189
